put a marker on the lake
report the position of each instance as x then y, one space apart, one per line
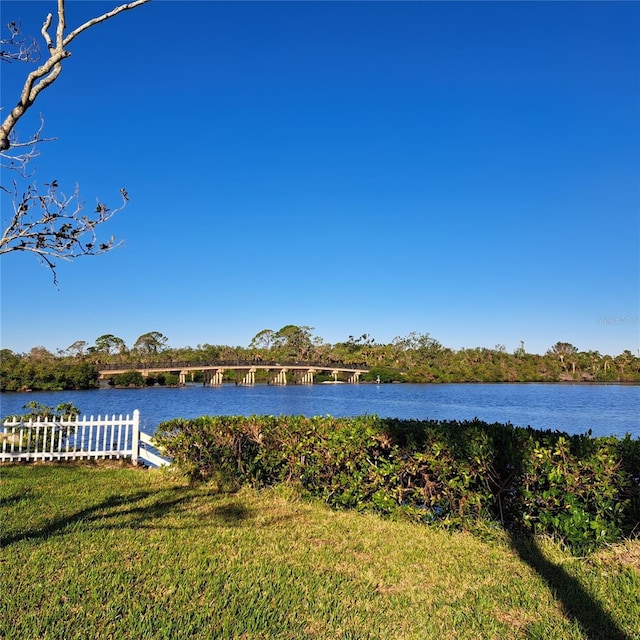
606 409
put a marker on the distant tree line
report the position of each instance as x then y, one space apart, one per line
417 358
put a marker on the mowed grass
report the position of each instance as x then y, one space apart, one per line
118 552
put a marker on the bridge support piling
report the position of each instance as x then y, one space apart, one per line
307 377
249 378
213 372
213 378
280 378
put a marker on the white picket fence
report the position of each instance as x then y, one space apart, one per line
85 438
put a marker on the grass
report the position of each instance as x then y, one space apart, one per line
118 552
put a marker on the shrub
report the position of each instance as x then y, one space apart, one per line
127 379
163 379
384 374
583 490
574 488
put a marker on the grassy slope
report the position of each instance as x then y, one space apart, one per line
96 552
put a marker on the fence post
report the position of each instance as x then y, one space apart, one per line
135 437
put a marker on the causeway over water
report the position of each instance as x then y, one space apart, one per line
214 371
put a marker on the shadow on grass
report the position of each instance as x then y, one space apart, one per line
577 604
134 510
14 498
231 513
509 464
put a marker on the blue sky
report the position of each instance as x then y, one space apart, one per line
467 170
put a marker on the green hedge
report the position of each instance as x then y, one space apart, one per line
583 490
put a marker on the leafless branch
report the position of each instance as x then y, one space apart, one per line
45 75
18 47
51 225
46 223
28 150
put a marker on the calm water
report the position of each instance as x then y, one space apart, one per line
605 409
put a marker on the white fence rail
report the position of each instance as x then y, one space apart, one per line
85 438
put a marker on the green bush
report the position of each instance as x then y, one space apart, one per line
37 410
583 490
574 488
127 379
383 374
163 379
36 438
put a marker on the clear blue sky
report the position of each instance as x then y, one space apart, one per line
467 170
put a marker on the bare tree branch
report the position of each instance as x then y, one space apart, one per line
52 226
102 18
18 161
18 47
46 74
46 223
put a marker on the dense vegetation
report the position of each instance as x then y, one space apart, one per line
413 358
582 490
98 552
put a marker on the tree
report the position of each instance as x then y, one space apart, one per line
562 351
150 342
294 342
77 348
108 344
105 346
40 353
355 350
623 360
414 348
520 352
46 222
263 339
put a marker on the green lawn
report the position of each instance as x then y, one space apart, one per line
99 552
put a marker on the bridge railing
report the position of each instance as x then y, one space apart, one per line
175 365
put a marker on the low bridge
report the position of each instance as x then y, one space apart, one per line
214 371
